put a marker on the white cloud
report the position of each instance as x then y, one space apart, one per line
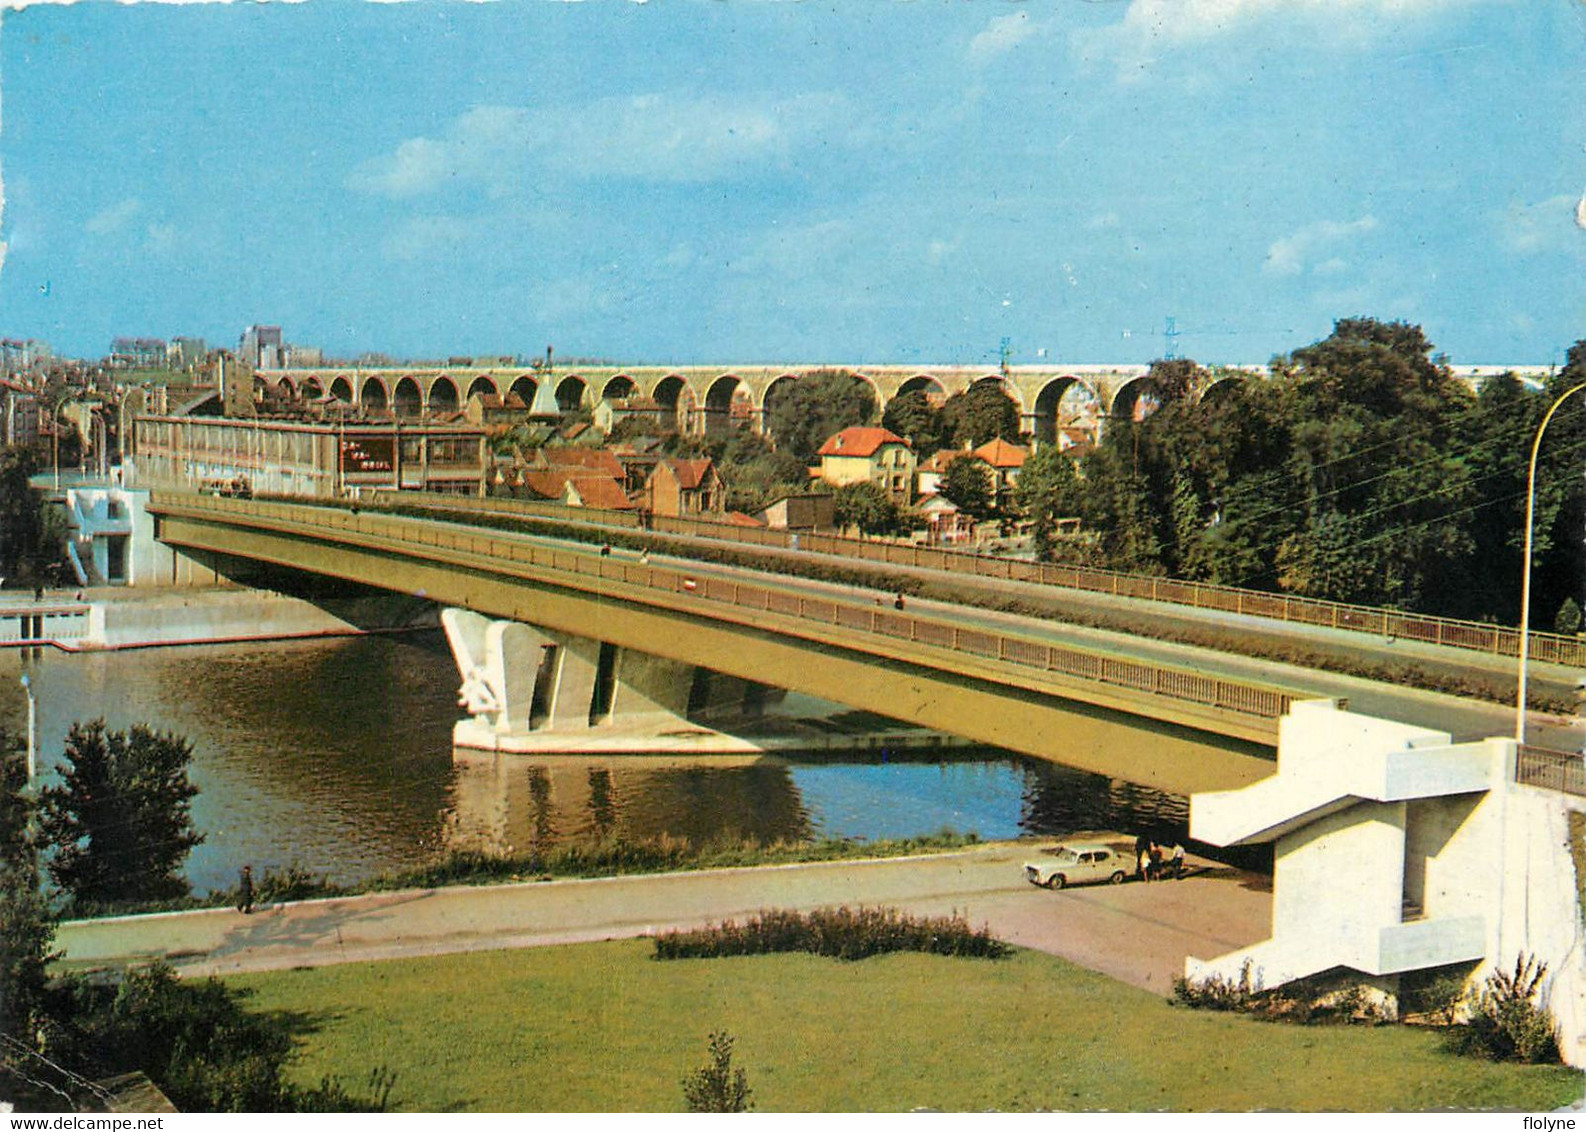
162 237
1539 227
652 137
1000 36
1292 254
421 237
802 252
113 218
1152 27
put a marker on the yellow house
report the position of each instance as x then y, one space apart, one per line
869 455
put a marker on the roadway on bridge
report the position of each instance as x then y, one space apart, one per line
1439 659
1137 933
1462 717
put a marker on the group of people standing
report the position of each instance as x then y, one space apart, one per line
1152 862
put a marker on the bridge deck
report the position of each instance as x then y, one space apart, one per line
995 685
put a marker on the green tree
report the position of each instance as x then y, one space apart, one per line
981 413
913 417
27 926
121 821
717 1086
800 415
1174 379
866 506
967 484
756 473
1047 490
21 517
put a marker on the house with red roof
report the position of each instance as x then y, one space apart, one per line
686 488
865 454
576 488
1004 460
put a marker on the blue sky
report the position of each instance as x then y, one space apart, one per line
737 181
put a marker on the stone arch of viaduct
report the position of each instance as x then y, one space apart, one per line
708 398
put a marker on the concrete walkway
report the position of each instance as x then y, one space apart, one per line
1137 933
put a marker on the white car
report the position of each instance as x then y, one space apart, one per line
1063 865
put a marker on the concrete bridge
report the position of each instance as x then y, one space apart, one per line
707 399
559 637
1396 849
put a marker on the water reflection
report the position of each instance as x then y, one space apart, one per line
519 804
336 755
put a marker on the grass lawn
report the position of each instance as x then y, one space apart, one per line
603 1027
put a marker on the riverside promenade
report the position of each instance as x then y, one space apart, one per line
1137 933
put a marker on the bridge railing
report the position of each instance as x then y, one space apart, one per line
1550 770
1182 685
43 623
1475 636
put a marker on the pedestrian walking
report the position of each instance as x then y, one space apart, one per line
1156 861
245 891
1143 864
1178 860
897 602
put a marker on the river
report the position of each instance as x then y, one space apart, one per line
335 755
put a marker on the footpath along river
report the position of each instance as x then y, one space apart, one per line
335 755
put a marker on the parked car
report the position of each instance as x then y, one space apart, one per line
1063 865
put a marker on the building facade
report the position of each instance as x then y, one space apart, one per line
308 460
870 455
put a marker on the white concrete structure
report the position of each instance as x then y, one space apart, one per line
1399 850
529 690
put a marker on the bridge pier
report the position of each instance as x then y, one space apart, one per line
1397 850
533 690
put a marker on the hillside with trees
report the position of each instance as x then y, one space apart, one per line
1362 471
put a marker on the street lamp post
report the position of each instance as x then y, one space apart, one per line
1525 578
33 731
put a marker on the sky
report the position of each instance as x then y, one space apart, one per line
741 181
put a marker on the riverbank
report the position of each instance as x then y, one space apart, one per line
393 980
1137 933
115 617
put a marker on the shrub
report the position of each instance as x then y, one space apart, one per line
1506 1020
840 933
196 1041
1568 621
717 1086
1217 992
1307 1002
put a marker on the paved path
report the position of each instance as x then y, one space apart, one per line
1138 933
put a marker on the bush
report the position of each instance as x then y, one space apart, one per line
1507 1021
1307 1002
1216 992
195 1040
840 933
1568 621
718 1087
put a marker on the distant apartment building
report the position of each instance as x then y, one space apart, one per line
261 347
302 357
137 353
18 356
19 414
186 353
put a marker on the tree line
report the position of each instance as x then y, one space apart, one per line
1361 471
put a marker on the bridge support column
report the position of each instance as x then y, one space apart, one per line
528 690
1397 851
